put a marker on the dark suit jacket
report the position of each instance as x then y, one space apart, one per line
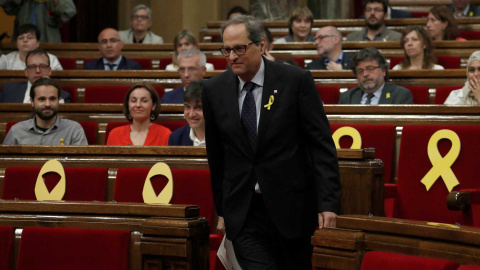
14 92
125 64
174 96
473 10
320 63
180 137
400 14
391 94
294 162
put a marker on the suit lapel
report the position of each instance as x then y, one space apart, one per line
357 96
386 95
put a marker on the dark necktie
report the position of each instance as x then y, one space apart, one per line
249 115
369 98
111 66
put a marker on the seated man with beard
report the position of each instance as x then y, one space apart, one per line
46 128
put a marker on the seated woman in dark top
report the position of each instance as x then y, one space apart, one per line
192 133
141 107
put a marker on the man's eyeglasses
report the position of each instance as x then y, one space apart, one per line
112 40
321 37
237 49
42 67
190 70
369 69
140 17
376 10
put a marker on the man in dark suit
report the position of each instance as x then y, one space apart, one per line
463 8
371 70
110 47
37 66
329 47
273 184
191 67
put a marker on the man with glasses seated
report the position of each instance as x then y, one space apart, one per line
329 47
140 24
191 67
110 47
375 12
371 70
37 66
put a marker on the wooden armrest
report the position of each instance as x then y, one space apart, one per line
463 199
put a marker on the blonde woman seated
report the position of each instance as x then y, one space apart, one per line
418 48
184 40
470 93
141 107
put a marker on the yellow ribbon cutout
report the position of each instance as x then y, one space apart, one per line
442 165
166 194
270 102
41 191
347 131
451 226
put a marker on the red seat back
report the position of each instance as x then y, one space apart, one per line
419 14
469 267
329 94
111 94
413 201
219 63
300 61
146 63
72 90
83 184
164 62
380 137
448 62
90 129
6 239
68 63
374 260
395 61
442 93
190 186
170 125
73 249
419 93
470 35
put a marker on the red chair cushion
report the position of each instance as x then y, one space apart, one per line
419 14
90 129
218 63
419 93
145 63
392 261
470 35
442 93
329 94
83 184
469 267
380 137
72 90
6 239
170 125
164 62
413 200
68 63
300 61
395 61
111 94
67 248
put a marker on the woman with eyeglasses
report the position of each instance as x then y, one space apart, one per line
441 24
418 48
141 107
299 26
140 24
184 40
470 93
27 39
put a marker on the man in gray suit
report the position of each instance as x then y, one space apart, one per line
371 70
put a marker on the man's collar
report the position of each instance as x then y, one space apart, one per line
365 31
258 78
32 124
117 62
338 61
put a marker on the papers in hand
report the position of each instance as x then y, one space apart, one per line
227 255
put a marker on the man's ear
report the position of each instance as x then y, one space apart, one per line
262 45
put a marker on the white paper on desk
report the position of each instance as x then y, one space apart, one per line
227 255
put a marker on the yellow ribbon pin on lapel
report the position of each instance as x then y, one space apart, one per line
270 102
388 95
166 194
442 165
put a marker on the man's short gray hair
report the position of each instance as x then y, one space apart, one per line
191 52
255 28
142 6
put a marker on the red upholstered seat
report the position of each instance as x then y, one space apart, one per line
146 63
170 125
68 63
412 200
448 62
218 63
90 129
300 61
380 137
72 90
469 267
164 62
83 184
111 94
419 14
73 249
419 93
442 93
374 260
6 239
470 35
329 94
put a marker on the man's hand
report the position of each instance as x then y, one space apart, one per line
326 220
334 66
221 225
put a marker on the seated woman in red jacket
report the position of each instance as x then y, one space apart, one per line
141 107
